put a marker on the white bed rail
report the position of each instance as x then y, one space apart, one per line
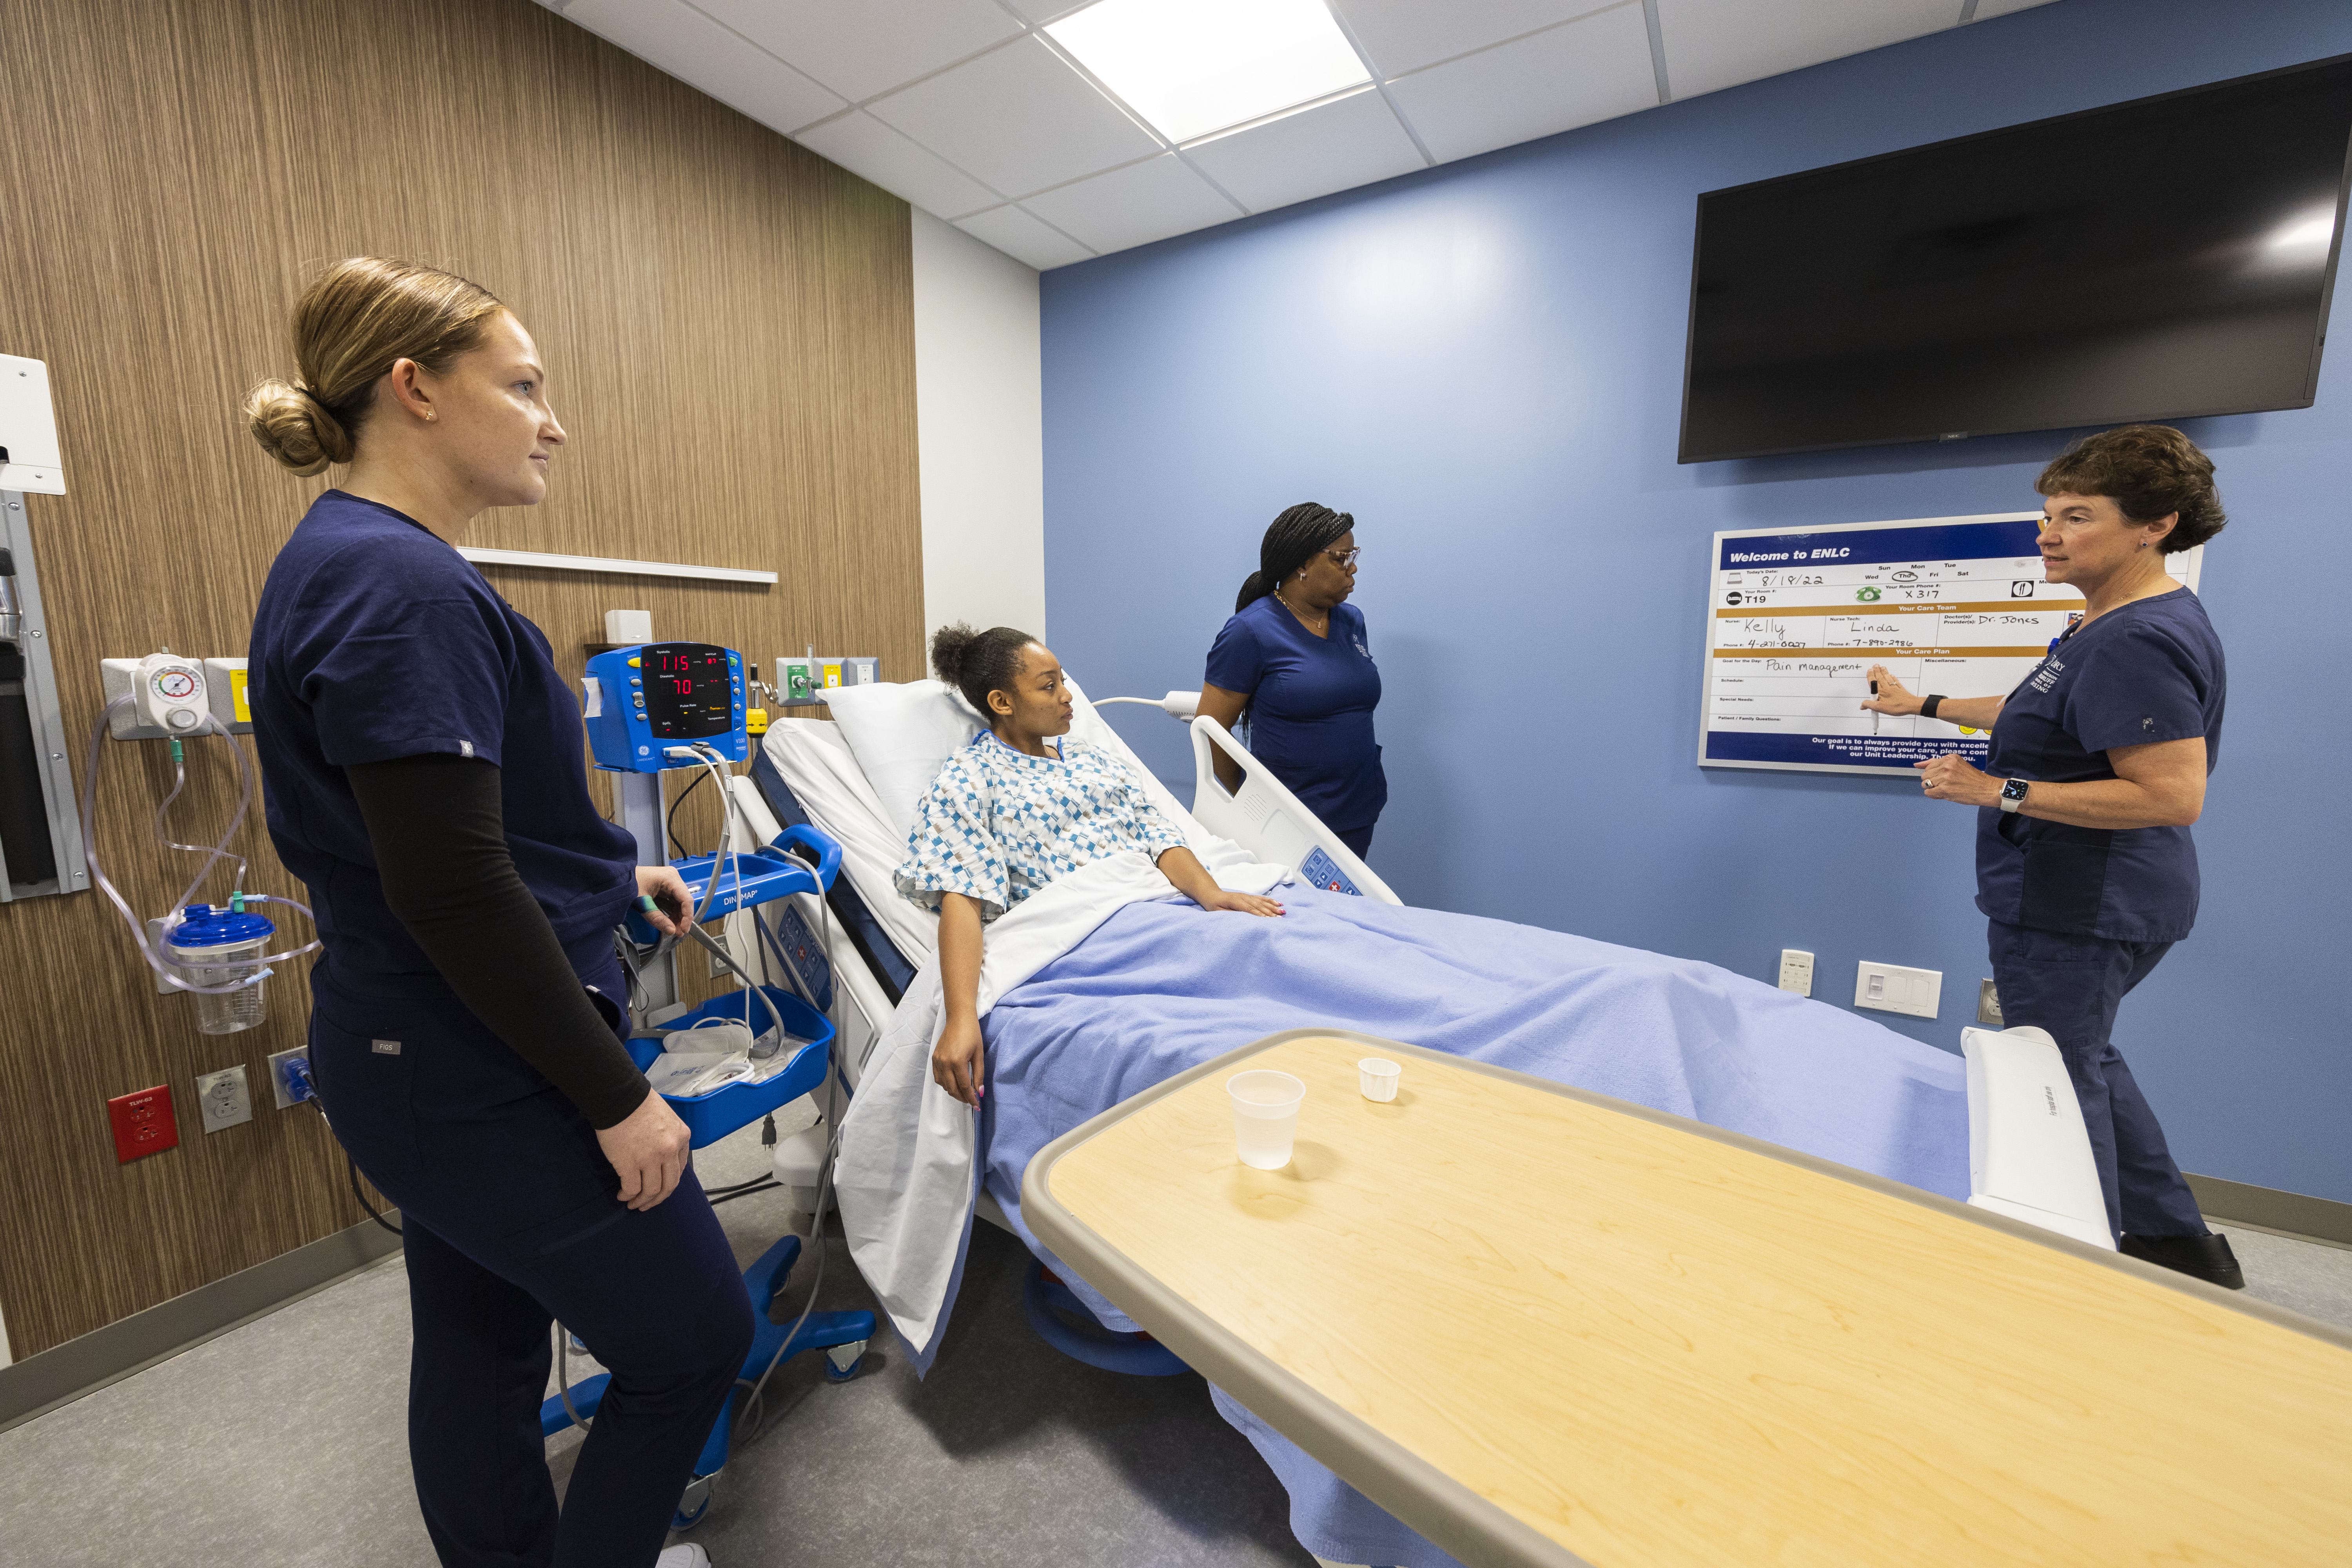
2028 1156
1264 818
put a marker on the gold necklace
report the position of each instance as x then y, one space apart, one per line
1322 631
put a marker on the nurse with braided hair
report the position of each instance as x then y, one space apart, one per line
1297 657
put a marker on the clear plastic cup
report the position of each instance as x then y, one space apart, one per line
215 947
1265 1116
1377 1077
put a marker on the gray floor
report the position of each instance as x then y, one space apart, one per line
282 1442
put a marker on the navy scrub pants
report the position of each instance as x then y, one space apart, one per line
2071 985
507 1203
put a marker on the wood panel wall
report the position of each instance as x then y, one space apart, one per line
728 323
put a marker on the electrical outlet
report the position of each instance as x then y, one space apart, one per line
222 1097
1893 988
1987 1004
1796 970
282 1082
143 1123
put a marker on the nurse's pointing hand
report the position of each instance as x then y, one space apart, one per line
674 913
648 1151
1890 695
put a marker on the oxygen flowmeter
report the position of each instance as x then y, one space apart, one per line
642 703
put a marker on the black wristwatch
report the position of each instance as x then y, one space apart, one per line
2013 795
1928 707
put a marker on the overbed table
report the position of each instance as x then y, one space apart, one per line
1546 1327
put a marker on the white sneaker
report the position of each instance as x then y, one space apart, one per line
687 1556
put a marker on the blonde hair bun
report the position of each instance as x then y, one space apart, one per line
295 427
360 317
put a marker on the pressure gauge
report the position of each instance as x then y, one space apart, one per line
170 694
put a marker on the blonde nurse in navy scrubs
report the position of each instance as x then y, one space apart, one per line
2084 866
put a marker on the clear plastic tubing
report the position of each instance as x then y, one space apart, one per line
215 948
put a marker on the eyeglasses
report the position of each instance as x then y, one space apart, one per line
1346 558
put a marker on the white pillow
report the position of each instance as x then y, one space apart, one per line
901 736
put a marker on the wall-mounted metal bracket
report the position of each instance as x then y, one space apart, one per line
40 830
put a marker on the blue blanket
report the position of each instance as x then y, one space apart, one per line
1160 987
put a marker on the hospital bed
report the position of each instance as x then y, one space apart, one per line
807 771
804 773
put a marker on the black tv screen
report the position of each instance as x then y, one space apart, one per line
2158 259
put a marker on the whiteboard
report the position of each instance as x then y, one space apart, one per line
1795 618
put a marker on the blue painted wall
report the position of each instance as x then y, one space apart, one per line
1483 364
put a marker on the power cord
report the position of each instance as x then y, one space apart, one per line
670 822
298 1078
353 1165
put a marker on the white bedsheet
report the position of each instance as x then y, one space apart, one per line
909 1172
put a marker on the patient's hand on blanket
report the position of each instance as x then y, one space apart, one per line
1244 903
1184 868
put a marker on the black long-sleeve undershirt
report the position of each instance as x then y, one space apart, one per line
439 833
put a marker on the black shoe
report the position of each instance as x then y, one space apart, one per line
2208 1257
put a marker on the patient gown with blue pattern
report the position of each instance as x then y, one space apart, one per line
999 823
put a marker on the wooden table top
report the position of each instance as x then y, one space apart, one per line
1541 1326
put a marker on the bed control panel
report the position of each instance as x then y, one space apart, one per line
1319 871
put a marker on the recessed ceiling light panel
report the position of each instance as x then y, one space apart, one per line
1191 66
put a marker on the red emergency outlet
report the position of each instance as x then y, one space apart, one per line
143 1123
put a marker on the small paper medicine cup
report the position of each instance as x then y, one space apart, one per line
1377 1077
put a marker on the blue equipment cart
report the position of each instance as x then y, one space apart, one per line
745 881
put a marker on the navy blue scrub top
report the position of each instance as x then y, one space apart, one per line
2148 672
1311 701
376 640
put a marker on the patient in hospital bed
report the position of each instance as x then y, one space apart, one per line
1098 983
1009 813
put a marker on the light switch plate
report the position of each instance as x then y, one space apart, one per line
1894 988
222 1097
1988 1005
1796 970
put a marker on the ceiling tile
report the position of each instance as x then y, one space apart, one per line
859 50
1406 35
1134 205
865 147
1018 118
1712 44
1332 147
1592 70
1044 11
2004 7
1022 237
689 46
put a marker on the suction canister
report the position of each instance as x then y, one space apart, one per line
217 946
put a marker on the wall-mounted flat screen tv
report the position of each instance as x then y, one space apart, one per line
2158 259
